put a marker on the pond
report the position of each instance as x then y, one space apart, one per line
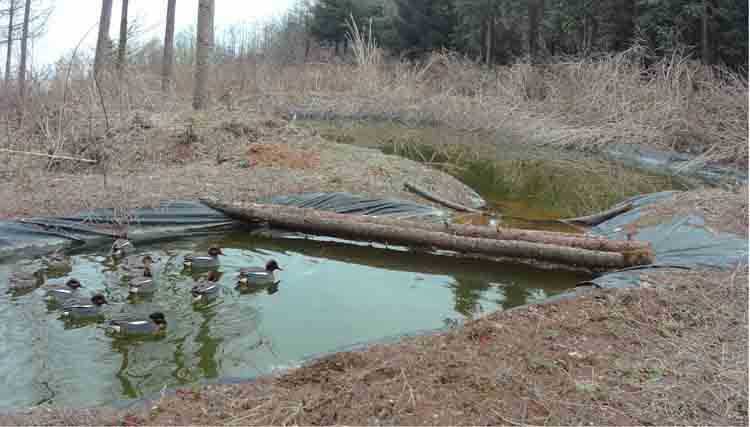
331 294
526 186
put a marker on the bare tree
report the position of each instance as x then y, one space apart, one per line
211 39
707 36
11 12
168 62
123 42
200 83
536 10
102 42
22 65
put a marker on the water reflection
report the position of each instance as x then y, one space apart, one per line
334 294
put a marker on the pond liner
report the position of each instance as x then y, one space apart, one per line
176 219
679 242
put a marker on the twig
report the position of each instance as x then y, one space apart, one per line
51 156
437 199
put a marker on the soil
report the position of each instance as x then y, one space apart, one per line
236 160
673 351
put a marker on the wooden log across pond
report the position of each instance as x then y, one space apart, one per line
568 249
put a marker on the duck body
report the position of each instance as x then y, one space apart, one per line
206 289
142 285
22 281
258 276
57 261
135 265
203 261
121 247
63 292
84 308
130 324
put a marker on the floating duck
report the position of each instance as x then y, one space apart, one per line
143 284
84 308
204 261
206 288
57 261
258 276
131 324
61 293
121 247
23 281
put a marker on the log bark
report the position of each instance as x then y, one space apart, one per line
410 233
437 199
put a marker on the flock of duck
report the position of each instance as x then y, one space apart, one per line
141 273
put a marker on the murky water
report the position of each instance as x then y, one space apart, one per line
524 184
331 294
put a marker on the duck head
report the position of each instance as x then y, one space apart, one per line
73 284
98 300
272 265
215 251
158 318
213 276
147 270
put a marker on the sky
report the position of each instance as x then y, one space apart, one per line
72 19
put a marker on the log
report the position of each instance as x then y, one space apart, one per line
407 233
598 218
437 199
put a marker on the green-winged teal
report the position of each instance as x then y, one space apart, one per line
132 324
82 308
57 261
258 276
23 281
121 247
62 292
206 289
203 261
143 284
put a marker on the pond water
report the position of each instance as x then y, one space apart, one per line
526 185
331 294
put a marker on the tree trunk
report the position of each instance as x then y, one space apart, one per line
123 42
200 85
706 39
102 42
211 40
438 236
534 8
22 64
167 65
9 54
488 41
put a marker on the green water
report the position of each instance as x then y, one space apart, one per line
519 181
331 294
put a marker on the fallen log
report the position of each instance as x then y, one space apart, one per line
437 199
409 233
598 218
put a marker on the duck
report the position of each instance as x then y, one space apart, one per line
136 264
132 324
143 284
206 288
61 293
204 261
121 247
57 261
258 276
83 308
23 281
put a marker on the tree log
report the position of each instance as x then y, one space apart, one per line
598 218
437 199
411 233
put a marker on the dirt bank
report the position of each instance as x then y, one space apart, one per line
240 157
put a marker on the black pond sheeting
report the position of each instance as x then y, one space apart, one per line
679 242
174 219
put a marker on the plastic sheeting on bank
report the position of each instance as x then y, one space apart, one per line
679 242
175 219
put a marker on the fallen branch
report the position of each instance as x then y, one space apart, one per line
438 199
410 233
51 156
598 218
